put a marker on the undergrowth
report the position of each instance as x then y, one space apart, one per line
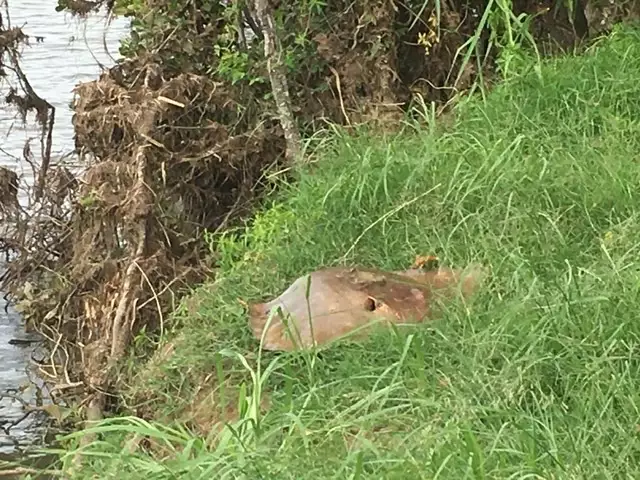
539 379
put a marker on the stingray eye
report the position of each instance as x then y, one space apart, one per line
431 263
370 304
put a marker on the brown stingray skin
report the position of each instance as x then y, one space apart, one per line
352 300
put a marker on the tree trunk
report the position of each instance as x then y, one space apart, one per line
278 78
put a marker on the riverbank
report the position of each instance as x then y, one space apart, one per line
538 378
71 51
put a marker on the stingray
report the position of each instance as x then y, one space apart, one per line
337 302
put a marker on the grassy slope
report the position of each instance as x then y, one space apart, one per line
540 378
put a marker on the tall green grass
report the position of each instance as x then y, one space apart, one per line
539 379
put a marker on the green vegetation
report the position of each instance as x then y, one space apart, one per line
539 379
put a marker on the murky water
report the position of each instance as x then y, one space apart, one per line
71 53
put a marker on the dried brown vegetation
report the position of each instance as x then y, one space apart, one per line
166 159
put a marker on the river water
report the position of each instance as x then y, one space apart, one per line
71 52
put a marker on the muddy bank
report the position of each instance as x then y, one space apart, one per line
70 52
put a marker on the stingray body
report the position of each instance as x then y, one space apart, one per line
332 303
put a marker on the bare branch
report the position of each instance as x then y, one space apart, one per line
279 85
